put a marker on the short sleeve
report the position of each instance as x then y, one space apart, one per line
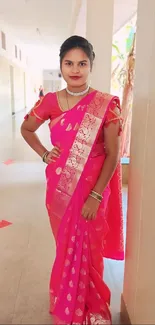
42 109
114 115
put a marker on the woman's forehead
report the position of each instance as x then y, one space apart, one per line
76 55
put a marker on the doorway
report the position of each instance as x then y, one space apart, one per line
24 90
12 90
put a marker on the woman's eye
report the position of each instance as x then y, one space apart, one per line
82 64
69 63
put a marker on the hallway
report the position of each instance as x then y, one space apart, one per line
27 246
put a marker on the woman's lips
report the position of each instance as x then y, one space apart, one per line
74 77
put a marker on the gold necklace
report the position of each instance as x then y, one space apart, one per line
67 100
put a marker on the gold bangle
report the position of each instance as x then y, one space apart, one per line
44 156
94 197
97 195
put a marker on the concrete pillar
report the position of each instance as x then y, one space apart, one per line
99 31
138 298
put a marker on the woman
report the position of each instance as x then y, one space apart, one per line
41 92
83 187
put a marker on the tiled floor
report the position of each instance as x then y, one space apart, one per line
27 246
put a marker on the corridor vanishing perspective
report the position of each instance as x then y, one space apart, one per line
31 34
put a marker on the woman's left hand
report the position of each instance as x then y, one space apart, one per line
90 208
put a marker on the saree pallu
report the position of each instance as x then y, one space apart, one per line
78 294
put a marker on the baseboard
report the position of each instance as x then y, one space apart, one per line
124 316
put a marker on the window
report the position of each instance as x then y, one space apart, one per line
16 52
3 39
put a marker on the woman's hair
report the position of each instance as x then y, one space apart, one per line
77 42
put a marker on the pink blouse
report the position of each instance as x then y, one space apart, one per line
48 108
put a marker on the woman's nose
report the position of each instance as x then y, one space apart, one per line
75 68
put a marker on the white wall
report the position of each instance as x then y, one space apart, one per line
11 41
5 93
23 92
51 80
80 26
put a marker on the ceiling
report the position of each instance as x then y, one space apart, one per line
124 10
38 21
43 25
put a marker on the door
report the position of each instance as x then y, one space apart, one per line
12 90
24 90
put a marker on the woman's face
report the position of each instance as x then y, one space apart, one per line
76 68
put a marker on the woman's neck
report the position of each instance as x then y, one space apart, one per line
77 89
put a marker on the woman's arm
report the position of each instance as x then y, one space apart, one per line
28 129
112 147
40 113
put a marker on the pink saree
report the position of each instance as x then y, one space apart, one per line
78 294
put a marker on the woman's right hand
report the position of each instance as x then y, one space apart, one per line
53 155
